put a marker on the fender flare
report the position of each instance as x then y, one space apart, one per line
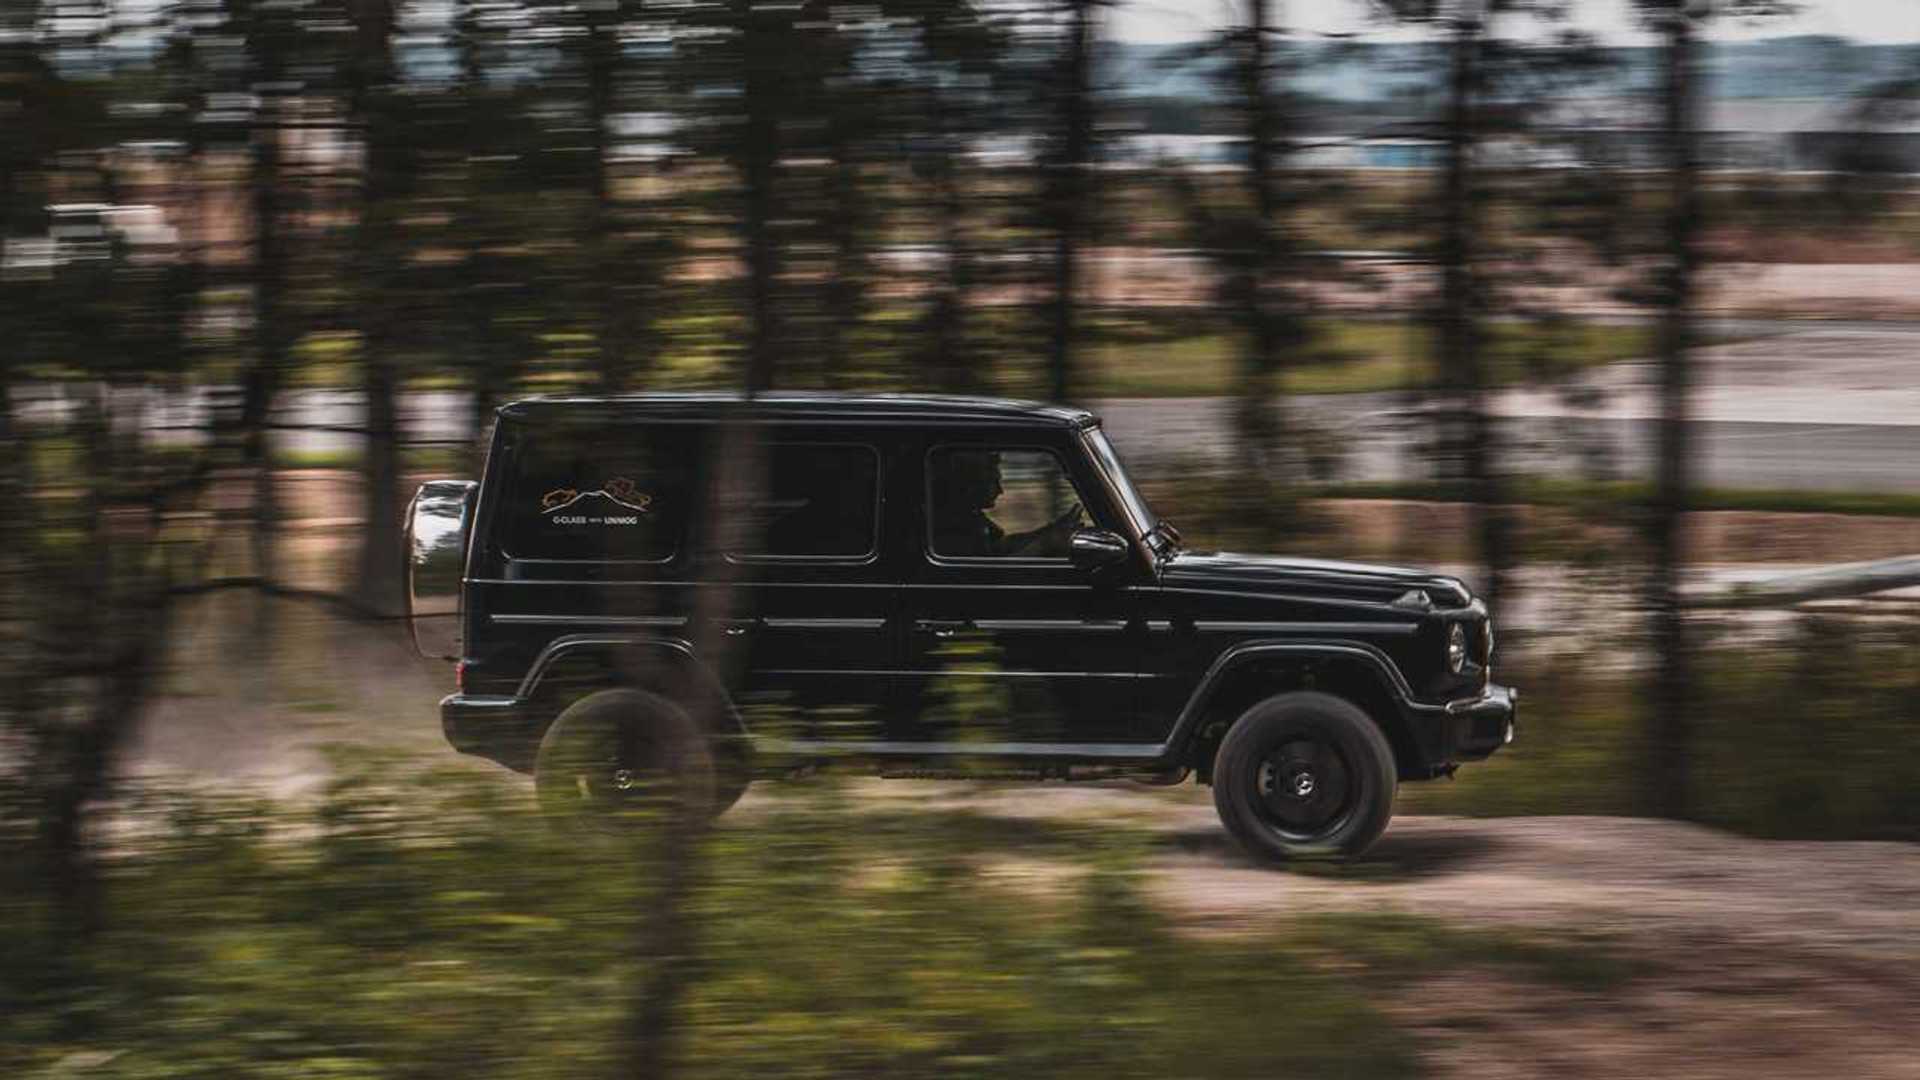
1237 657
680 651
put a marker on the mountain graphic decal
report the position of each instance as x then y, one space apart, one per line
601 506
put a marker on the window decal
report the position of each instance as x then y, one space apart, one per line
616 494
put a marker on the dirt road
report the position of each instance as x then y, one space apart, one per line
1751 958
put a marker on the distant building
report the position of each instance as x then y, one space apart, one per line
1762 135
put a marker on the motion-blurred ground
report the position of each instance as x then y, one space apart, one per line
1568 945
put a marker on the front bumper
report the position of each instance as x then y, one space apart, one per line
1476 727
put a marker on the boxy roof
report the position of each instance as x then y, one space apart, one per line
792 405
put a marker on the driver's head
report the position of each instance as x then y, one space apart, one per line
973 479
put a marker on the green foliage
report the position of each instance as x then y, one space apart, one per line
1350 356
1406 945
1815 734
1819 737
410 925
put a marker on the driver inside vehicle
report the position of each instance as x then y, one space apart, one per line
967 484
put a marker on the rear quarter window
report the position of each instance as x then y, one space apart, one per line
599 495
820 502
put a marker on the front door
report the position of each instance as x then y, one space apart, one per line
1008 643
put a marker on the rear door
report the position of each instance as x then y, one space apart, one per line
815 613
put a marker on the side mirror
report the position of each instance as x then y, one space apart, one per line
438 521
1096 549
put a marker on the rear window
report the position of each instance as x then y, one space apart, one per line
821 502
598 495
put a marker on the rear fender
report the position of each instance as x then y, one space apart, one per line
667 665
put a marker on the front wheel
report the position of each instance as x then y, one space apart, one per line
1304 774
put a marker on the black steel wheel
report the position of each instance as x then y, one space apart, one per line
1304 774
623 754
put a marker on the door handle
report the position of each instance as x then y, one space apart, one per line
942 628
737 627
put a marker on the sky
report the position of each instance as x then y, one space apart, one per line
1183 20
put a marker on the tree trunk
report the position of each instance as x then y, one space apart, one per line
952 361
759 155
490 362
602 60
1468 433
1069 182
1258 416
846 278
273 339
86 769
378 581
1671 699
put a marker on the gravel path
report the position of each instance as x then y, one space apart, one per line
1753 959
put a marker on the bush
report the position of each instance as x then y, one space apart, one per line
1813 735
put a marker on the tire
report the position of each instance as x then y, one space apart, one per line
1304 775
730 779
619 754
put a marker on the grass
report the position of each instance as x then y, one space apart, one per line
1153 353
412 458
1345 356
410 924
1403 946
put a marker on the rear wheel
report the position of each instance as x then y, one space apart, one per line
1304 774
731 776
623 753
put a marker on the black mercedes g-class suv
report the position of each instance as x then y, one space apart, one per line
928 586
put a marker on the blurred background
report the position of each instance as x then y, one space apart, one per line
1608 306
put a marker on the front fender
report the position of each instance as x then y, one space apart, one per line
1237 659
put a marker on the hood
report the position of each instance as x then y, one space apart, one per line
1321 577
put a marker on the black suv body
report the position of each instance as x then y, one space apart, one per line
931 586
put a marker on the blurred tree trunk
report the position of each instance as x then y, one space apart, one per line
846 292
107 646
480 281
273 333
1067 206
85 754
602 69
845 115
377 582
473 230
1671 698
952 361
1258 414
1468 430
759 154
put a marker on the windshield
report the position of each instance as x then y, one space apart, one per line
1131 503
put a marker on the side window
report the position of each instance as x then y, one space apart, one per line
597 495
999 502
821 502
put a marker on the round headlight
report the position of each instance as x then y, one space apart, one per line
1456 648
